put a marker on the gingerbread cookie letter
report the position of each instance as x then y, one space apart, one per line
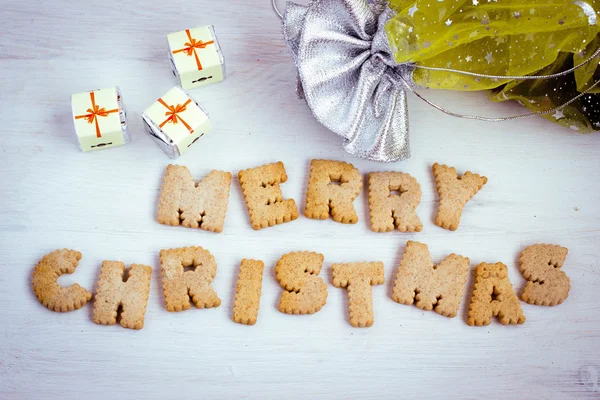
324 198
431 287
358 279
305 293
264 200
394 210
48 292
247 295
179 285
540 264
202 205
118 288
493 296
454 192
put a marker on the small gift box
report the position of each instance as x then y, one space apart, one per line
100 119
196 57
176 122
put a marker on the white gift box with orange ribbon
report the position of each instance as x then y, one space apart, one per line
100 119
196 57
176 122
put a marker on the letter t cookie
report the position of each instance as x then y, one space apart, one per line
358 279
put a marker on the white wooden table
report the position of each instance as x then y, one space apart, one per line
544 187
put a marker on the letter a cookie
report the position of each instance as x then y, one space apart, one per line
389 210
454 193
493 296
324 198
48 291
547 285
202 205
263 197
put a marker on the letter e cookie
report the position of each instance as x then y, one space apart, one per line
263 196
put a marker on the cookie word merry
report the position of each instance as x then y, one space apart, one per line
187 274
332 188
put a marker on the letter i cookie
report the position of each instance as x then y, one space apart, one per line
248 292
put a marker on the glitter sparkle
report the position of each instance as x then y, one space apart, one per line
413 10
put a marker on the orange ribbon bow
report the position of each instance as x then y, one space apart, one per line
173 112
191 47
94 113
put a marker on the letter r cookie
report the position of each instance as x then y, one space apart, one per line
390 210
324 197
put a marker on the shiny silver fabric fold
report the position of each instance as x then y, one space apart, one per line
348 76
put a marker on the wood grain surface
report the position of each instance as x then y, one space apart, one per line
544 187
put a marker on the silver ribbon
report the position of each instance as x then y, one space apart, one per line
351 83
348 76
